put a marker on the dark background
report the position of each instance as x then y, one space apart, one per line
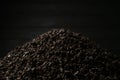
23 21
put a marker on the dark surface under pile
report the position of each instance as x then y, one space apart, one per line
60 55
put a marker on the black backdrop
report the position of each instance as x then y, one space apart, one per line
22 21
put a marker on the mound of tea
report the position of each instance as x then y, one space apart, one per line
60 55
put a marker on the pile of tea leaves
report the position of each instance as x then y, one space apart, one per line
60 54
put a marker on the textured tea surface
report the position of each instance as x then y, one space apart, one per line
60 55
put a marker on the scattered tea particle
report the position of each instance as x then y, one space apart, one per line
61 69
76 72
9 55
90 57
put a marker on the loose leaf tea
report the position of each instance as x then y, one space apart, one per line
60 55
